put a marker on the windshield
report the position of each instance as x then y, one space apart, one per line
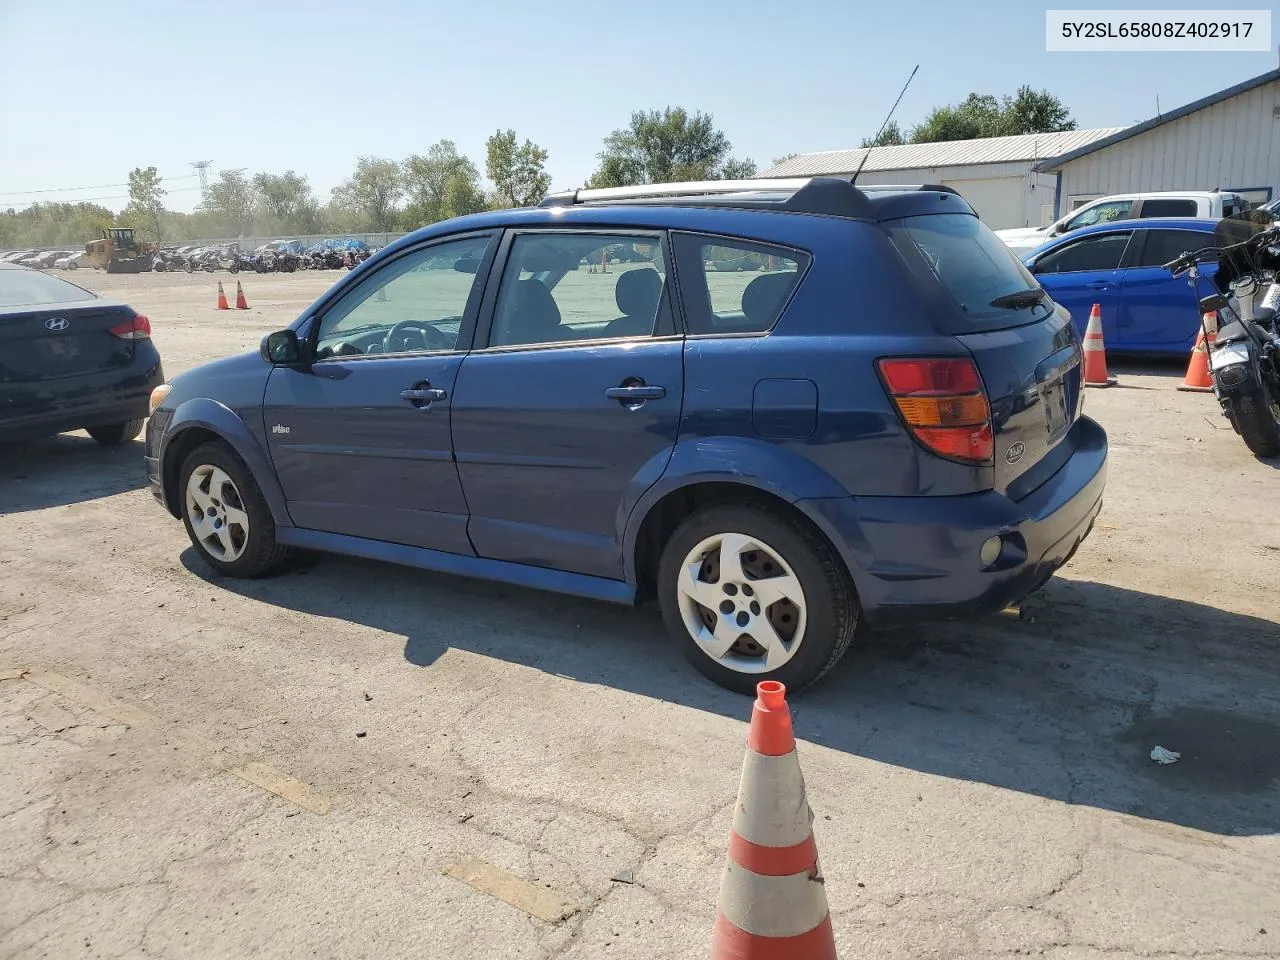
22 288
979 273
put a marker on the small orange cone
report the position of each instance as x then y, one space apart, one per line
222 298
773 902
1095 352
241 302
1198 378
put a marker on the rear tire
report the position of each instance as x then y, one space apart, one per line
786 597
116 433
225 514
1257 418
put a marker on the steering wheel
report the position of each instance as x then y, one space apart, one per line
432 339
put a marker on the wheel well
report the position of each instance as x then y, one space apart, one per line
669 512
175 452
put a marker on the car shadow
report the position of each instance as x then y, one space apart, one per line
67 468
1065 701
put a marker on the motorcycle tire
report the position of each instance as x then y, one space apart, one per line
234 268
189 267
1257 420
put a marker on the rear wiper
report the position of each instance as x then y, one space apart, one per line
1020 298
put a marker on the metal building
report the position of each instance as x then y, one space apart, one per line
1228 141
995 174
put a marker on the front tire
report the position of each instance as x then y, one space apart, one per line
225 514
1257 420
750 594
112 434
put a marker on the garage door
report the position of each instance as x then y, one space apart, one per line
998 200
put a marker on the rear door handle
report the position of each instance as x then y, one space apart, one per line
637 392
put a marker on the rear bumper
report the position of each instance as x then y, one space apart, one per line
113 396
917 558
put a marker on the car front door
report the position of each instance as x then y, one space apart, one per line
1158 311
570 400
360 437
1081 272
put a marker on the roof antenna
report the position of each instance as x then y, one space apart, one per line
863 161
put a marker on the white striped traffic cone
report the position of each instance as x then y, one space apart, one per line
773 904
1095 352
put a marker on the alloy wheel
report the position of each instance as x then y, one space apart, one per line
217 513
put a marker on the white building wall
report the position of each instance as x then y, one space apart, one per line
1234 144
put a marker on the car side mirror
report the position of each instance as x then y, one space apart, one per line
281 349
467 264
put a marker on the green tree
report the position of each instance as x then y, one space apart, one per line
518 170
285 201
146 202
890 136
372 191
778 161
734 169
53 224
440 185
231 200
667 146
983 115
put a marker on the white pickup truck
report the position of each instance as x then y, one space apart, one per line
1128 206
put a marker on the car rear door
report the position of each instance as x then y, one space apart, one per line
1084 271
570 403
1158 311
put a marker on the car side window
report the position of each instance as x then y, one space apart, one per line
1165 245
564 287
413 304
1090 253
1101 213
734 286
1162 207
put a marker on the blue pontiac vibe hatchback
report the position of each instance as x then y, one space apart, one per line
784 408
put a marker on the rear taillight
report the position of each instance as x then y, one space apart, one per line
944 404
139 328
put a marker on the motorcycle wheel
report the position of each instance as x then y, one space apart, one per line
1257 420
189 267
234 268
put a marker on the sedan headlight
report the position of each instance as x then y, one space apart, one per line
158 395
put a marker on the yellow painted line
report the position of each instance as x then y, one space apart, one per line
91 697
287 788
540 902
12 673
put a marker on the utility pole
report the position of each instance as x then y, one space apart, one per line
202 170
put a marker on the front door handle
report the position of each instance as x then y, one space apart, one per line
636 392
422 395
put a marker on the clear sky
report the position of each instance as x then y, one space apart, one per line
93 89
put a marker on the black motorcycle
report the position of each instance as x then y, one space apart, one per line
1244 361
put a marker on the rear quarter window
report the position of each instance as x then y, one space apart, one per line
1168 208
733 286
972 265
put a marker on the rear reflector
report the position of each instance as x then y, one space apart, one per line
943 403
139 328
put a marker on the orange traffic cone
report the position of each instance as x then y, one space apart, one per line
1198 378
241 302
773 904
222 298
1095 352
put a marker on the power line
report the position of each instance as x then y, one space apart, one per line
99 186
123 196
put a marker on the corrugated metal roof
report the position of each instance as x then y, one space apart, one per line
1124 133
949 153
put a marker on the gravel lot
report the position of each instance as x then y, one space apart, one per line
197 767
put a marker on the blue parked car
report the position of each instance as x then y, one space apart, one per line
1119 266
876 419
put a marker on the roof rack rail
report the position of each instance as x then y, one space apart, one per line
833 196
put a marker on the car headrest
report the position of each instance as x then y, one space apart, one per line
764 295
638 291
535 307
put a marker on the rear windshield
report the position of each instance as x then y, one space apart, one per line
973 266
29 288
